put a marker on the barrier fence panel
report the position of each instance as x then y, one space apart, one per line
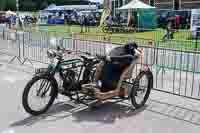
36 44
93 47
181 78
10 44
175 71
178 60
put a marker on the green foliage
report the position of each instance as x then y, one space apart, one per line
10 4
34 5
3 4
7 5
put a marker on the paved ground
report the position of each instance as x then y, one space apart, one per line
163 112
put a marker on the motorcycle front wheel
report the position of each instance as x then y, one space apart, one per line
38 95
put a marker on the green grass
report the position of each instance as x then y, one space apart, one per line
181 38
180 45
151 34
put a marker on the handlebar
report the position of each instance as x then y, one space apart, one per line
100 57
81 52
59 53
94 60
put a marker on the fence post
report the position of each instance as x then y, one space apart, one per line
196 39
156 52
3 33
17 40
23 53
18 43
75 38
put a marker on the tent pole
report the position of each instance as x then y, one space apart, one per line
114 7
138 18
110 4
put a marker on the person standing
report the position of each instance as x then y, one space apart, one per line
177 18
9 21
169 31
87 23
130 22
82 20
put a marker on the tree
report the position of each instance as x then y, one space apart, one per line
32 5
2 5
28 5
43 5
10 4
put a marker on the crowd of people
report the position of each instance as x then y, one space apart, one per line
87 19
11 20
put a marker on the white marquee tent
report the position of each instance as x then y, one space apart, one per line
135 4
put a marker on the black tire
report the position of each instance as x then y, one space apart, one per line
133 93
53 95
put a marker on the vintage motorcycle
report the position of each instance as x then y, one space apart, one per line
76 79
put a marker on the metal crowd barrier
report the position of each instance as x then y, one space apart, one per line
175 71
10 44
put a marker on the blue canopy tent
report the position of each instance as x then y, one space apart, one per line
66 9
55 9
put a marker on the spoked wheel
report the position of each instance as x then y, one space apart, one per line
38 95
141 88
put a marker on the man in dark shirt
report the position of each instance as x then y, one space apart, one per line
114 64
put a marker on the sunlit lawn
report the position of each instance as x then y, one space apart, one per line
182 39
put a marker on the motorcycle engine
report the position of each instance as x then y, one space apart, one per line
70 83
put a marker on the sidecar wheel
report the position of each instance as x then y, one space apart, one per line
138 87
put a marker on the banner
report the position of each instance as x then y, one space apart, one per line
195 22
105 14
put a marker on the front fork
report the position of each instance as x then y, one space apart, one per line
45 84
46 87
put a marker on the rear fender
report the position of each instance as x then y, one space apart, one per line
149 74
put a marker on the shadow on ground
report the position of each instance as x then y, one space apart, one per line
108 113
105 113
57 108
